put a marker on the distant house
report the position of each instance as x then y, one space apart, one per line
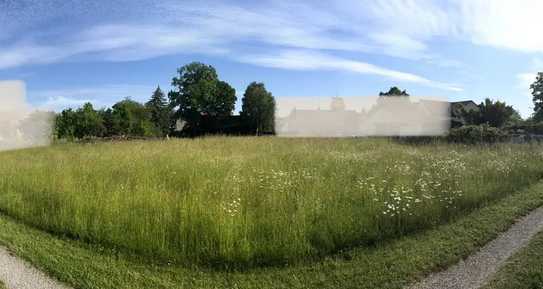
458 110
336 121
399 116
389 116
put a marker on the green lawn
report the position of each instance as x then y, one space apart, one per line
388 265
524 270
252 202
2 286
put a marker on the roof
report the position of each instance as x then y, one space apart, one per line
464 102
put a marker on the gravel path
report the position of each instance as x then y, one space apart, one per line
477 269
18 274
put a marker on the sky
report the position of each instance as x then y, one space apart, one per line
69 52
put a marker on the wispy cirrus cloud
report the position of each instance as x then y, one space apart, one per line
393 28
219 29
99 96
308 60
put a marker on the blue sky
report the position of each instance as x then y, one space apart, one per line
69 52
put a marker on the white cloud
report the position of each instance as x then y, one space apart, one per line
505 24
216 29
190 27
29 54
398 28
399 45
309 60
526 79
111 42
104 96
501 23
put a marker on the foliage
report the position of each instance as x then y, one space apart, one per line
493 113
394 91
83 122
160 111
258 109
537 93
131 118
88 122
523 270
387 265
527 127
217 201
126 118
65 124
199 93
474 134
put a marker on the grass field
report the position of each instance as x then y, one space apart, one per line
524 270
253 201
385 265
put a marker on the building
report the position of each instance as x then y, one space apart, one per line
389 116
336 121
458 110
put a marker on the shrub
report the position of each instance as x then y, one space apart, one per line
474 134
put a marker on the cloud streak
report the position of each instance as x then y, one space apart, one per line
308 60
102 96
302 31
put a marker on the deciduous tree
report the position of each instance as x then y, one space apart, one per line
493 113
537 93
394 91
199 95
258 109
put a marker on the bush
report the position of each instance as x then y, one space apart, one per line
474 134
527 128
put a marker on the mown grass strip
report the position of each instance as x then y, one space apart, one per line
524 270
387 265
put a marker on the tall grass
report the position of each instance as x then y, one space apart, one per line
254 201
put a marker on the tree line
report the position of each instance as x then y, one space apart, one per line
199 103
489 112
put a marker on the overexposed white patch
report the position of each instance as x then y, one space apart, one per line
362 116
21 125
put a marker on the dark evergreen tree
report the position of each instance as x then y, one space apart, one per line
160 112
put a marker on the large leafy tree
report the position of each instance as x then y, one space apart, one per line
131 118
88 122
160 111
394 91
65 124
537 93
110 123
200 95
258 109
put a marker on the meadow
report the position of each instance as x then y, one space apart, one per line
240 202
